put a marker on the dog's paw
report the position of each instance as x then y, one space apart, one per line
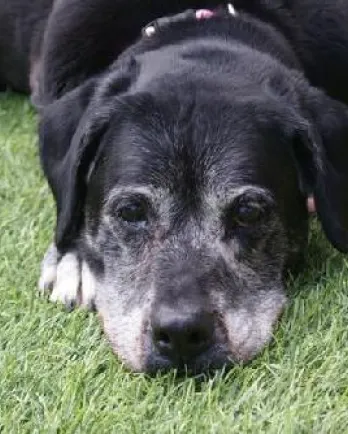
67 279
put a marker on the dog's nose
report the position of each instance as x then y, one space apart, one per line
182 336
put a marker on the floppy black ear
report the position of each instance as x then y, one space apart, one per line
65 155
324 163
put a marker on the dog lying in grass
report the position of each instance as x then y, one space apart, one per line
180 158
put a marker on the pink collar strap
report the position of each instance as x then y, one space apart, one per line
204 14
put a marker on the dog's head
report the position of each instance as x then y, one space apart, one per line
184 178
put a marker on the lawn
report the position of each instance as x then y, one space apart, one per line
59 375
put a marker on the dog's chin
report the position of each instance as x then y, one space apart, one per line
151 362
216 359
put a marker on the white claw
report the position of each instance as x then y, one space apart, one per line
88 287
48 270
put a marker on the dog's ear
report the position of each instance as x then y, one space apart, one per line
71 130
321 153
63 156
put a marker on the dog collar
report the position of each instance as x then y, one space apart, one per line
199 14
203 14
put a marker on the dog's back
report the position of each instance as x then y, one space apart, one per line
84 36
22 25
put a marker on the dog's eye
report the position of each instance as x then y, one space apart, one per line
247 214
134 213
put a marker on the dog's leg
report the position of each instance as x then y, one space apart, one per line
67 278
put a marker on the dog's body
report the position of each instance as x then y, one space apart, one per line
181 165
22 28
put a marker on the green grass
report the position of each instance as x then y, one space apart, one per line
57 373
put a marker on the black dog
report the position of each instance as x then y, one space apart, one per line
181 164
